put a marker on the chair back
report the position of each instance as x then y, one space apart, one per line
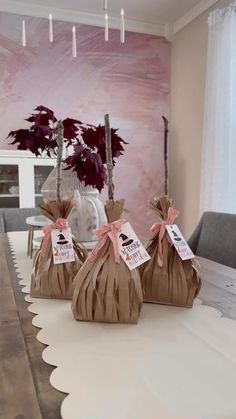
13 219
215 238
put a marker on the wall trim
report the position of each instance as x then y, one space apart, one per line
15 153
196 11
21 8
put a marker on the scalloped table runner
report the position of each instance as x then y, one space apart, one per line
176 363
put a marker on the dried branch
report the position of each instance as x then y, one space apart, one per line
109 158
59 139
166 153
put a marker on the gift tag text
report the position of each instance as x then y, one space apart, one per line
179 242
131 249
62 246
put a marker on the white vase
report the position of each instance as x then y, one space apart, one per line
69 183
87 215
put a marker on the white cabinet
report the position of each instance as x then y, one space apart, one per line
21 178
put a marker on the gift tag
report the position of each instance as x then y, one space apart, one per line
179 242
62 246
131 249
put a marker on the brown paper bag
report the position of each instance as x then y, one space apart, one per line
49 280
176 282
107 291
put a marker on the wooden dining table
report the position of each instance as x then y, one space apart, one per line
25 390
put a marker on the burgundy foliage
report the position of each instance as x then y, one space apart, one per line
89 147
39 138
95 139
88 166
71 129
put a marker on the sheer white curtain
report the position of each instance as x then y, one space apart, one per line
218 182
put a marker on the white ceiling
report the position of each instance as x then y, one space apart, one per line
150 16
150 11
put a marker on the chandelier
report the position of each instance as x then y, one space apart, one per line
74 42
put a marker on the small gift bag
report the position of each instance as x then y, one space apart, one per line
166 278
106 290
50 280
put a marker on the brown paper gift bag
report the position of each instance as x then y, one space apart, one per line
166 279
49 280
107 291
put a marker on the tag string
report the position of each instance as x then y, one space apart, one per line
111 231
161 229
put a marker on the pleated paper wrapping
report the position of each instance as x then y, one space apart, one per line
106 291
49 280
176 282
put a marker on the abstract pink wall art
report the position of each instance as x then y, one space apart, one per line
129 81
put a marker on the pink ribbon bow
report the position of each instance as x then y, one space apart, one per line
60 223
161 229
102 234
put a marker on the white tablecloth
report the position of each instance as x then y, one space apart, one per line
175 364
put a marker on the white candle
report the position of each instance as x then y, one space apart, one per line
50 28
106 27
23 34
122 26
105 5
74 46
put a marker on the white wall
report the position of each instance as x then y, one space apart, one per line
188 71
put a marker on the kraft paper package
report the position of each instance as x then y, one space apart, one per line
49 280
166 278
105 289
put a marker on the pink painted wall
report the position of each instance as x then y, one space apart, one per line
130 82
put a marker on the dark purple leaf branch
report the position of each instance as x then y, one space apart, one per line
87 141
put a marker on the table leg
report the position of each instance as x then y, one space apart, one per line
31 242
28 244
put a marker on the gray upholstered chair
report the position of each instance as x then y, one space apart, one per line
215 238
13 219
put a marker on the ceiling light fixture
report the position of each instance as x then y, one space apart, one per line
23 34
74 42
122 26
74 46
50 28
106 27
